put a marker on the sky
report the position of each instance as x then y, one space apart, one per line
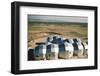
51 18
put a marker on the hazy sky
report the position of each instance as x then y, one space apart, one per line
48 18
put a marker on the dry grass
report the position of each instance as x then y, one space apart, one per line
38 32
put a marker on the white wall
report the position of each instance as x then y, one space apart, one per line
5 41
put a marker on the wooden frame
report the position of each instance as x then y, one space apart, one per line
15 36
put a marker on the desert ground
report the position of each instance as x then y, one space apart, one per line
38 32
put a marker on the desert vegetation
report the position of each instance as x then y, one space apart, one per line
39 31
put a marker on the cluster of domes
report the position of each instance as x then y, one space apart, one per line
56 47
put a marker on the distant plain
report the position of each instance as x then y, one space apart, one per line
39 31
